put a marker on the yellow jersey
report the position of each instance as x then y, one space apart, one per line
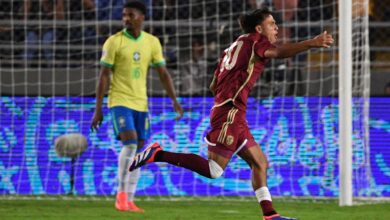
129 59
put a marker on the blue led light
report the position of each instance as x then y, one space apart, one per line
299 135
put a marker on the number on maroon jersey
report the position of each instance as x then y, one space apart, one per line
229 61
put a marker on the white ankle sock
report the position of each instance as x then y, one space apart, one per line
263 194
125 158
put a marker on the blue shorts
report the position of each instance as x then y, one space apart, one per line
126 119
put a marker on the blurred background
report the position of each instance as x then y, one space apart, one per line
66 36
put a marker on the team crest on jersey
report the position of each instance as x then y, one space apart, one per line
122 122
229 140
136 56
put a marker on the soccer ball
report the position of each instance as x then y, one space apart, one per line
70 145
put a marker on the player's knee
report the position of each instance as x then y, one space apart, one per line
215 170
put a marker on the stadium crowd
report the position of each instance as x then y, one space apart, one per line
66 34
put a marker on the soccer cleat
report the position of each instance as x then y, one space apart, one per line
121 202
134 208
277 217
146 156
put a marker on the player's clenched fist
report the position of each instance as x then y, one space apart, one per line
323 40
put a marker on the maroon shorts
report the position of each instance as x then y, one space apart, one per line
229 131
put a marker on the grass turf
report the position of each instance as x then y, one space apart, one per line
14 209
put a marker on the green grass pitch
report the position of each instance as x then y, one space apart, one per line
73 209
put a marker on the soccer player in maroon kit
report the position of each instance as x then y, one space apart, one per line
240 66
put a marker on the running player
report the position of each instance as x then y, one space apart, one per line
240 66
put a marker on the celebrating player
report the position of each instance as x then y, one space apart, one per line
127 55
240 66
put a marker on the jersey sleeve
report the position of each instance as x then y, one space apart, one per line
157 55
263 45
108 53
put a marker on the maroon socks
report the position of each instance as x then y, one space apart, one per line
192 162
267 208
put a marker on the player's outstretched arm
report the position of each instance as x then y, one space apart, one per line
323 40
167 83
104 80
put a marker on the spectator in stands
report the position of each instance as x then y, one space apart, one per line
287 12
312 11
5 37
387 89
165 10
193 69
109 9
376 13
82 14
251 5
5 30
10 34
39 11
81 11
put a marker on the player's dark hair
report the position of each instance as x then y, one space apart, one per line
140 6
248 22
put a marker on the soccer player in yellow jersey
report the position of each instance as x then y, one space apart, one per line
128 55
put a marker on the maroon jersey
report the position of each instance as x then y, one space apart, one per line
240 66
